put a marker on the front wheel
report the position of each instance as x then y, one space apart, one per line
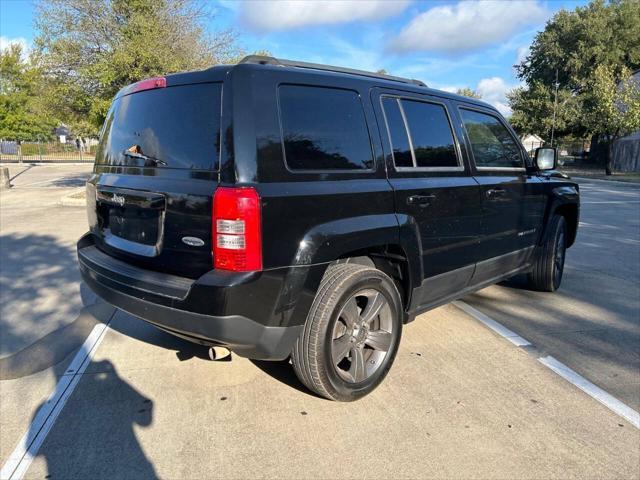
548 268
351 335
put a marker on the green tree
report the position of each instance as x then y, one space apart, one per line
611 108
90 49
571 47
468 92
533 107
22 115
574 42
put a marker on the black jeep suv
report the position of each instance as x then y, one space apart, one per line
284 209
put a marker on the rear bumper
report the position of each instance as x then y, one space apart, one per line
238 310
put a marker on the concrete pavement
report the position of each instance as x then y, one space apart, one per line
459 402
592 323
39 278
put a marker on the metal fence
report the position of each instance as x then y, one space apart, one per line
531 146
17 152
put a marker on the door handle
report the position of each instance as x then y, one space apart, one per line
420 200
496 192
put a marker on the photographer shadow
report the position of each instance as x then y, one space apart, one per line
95 435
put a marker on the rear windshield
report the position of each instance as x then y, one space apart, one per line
173 127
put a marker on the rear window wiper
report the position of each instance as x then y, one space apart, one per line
141 156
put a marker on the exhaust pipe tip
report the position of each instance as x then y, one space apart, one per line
219 353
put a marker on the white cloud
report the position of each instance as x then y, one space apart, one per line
494 91
467 25
346 54
522 53
23 42
268 16
446 88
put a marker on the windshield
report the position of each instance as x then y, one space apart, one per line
173 127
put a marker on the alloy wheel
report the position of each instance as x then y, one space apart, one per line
362 335
558 259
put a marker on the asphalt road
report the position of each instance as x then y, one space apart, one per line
592 324
460 400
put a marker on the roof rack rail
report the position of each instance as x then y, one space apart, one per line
266 60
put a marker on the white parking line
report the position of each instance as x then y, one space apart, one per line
560 368
18 462
500 329
592 390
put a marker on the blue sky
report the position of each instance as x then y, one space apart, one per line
447 44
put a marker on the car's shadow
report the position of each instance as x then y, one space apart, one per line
132 327
283 372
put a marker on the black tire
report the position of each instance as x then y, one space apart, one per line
546 275
338 321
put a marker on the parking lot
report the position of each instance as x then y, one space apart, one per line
91 392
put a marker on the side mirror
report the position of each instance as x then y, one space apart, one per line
546 158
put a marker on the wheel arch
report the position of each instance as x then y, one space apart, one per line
570 213
390 259
381 241
564 201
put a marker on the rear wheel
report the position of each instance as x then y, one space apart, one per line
546 275
351 335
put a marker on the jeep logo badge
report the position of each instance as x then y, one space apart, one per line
193 241
118 200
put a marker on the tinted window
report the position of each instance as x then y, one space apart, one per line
491 142
398 133
430 134
178 126
324 129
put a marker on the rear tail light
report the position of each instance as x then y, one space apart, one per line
236 235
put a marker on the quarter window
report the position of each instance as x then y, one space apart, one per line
491 143
324 129
428 128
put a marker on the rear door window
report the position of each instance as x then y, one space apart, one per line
173 127
324 129
420 134
431 134
402 155
492 144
